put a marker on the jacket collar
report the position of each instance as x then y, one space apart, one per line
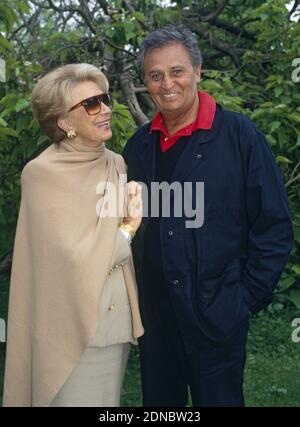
191 156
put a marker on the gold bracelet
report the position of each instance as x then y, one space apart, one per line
128 228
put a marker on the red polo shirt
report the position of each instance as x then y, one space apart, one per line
204 120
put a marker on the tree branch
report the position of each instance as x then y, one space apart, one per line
28 24
294 8
140 89
214 14
118 47
219 45
293 178
104 6
128 4
234 30
129 92
83 11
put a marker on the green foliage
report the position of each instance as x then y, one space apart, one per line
273 363
248 53
123 126
220 85
272 369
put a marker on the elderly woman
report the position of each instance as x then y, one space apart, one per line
73 308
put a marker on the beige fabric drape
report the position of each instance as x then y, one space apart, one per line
63 252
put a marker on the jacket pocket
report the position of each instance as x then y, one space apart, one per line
216 286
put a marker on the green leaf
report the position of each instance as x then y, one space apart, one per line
281 106
296 269
258 113
271 139
4 43
139 16
286 283
282 159
295 117
129 30
8 132
278 91
42 139
3 122
294 297
21 105
296 231
22 122
8 15
23 6
211 84
267 104
275 125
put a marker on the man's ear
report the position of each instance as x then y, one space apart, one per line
198 73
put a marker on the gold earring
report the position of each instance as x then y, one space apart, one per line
71 134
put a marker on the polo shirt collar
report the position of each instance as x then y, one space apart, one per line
204 119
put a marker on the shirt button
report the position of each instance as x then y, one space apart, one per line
175 282
199 156
111 307
170 233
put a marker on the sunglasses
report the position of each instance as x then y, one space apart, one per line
92 105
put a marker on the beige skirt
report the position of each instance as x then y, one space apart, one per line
96 379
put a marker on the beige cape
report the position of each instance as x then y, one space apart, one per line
63 252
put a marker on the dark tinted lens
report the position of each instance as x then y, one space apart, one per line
92 105
106 99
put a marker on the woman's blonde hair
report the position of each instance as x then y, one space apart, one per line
52 95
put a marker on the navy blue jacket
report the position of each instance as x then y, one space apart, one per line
231 264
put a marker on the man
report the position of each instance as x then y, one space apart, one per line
198 284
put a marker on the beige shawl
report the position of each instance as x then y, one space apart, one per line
62 255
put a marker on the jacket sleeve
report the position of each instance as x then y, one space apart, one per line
270 236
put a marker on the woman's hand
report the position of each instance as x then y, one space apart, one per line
134 209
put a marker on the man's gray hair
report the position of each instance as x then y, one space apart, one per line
177 33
